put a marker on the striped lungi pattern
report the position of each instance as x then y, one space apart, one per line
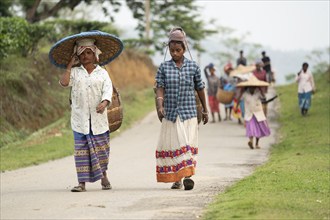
91 154
177 150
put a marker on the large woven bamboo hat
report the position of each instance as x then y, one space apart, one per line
242 70
110 45
252 81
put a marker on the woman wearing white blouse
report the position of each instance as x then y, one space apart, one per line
306 87
82 55
91 95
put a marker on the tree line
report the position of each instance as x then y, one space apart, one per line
26 24
40 15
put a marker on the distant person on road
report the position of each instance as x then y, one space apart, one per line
255 120
238 108
176 83
91 95
261 74
241 60
228 84
267 67
213 83
306 87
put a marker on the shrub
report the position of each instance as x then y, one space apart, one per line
18 36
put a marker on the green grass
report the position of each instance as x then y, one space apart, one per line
56 140
294 183
22 81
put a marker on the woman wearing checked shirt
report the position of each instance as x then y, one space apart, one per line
176 82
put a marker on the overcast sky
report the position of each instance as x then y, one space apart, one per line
280 25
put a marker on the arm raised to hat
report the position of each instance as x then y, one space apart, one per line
65 79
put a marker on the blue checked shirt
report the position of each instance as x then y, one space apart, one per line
179 85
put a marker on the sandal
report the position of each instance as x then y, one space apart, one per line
177 185
78 189
257 147
106 186
250 144
105 183
188 183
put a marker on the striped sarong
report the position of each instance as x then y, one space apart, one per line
214 104
91 154
177 150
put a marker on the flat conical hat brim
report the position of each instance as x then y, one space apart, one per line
252 81
242 70
110 45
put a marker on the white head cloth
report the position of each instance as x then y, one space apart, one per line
85 43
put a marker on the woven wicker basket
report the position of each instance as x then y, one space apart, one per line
225 97
115 111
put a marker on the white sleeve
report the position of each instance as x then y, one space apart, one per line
107 88
72 76
312 82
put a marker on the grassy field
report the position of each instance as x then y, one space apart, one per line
56 140
294 184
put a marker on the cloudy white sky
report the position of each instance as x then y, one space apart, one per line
280 25
284 25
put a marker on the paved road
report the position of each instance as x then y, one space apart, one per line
43 191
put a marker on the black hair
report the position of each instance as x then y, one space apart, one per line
177 42
305 64
263 52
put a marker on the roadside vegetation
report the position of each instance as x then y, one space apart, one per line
294 183
35 118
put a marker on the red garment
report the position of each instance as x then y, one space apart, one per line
261 75
214 104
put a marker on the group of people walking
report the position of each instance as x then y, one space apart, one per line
177 82
228 82
179 86
248 92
